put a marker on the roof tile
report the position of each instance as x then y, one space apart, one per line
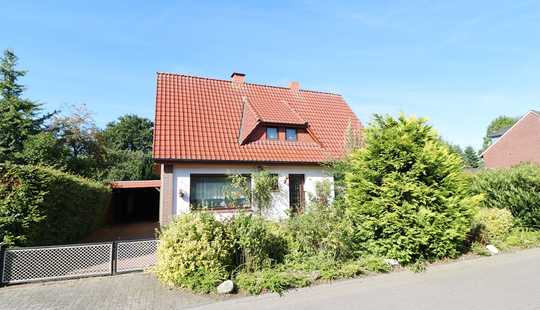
209 119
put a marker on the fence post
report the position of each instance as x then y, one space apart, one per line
2 259
113 258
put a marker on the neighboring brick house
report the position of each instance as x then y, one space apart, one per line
516 144
207 129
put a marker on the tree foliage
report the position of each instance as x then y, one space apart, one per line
471 158
19 117
497 124
130 132
407 196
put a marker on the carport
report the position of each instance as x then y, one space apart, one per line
133 212
134 201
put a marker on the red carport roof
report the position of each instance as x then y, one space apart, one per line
135 184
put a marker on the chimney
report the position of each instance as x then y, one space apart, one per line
238 79
294 85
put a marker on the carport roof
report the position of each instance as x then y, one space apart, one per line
135 184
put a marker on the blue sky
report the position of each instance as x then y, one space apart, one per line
458 63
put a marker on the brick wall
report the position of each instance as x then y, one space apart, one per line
520 144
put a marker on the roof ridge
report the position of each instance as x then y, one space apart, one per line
255 84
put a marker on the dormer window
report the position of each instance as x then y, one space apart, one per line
290 134
271 133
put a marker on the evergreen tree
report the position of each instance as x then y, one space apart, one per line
471 158
406 194
19 118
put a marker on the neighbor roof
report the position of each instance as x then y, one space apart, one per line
499 132
204 119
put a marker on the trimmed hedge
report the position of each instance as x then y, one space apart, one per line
43 206
516 189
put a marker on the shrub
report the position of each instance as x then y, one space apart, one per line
320 231
408 198
330 268
516 189
492 225
271 280
479 249
42 206
194 252
375 264
323 195
254 243
521 238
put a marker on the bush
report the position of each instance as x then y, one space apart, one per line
320 231
492 225
270 280
43 206
194 252
516 189
408 198
521 239
254 243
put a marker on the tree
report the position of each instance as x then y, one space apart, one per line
407 196
353 138
124 165
128 143
130 132
19 118
471 158
44 149
79 133
454 148
497 124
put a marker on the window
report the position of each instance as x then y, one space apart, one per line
275 184
271 133
216 191
290 134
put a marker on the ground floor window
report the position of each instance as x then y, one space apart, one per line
216 191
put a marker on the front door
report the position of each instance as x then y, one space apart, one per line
296 193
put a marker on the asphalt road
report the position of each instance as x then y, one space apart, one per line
508 281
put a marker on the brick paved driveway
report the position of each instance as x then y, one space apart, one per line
128 291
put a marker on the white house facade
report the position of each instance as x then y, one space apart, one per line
207 130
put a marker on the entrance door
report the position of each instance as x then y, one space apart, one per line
296 193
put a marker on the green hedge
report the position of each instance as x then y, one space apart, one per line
516 189
43 206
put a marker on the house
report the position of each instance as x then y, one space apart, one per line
208 129
516 144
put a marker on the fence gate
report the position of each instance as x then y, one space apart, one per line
135 255
28 264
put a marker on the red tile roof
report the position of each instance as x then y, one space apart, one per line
203 119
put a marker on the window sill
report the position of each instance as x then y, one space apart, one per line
225 209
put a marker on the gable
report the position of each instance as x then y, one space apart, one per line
520 143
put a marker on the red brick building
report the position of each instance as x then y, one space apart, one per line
517 144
